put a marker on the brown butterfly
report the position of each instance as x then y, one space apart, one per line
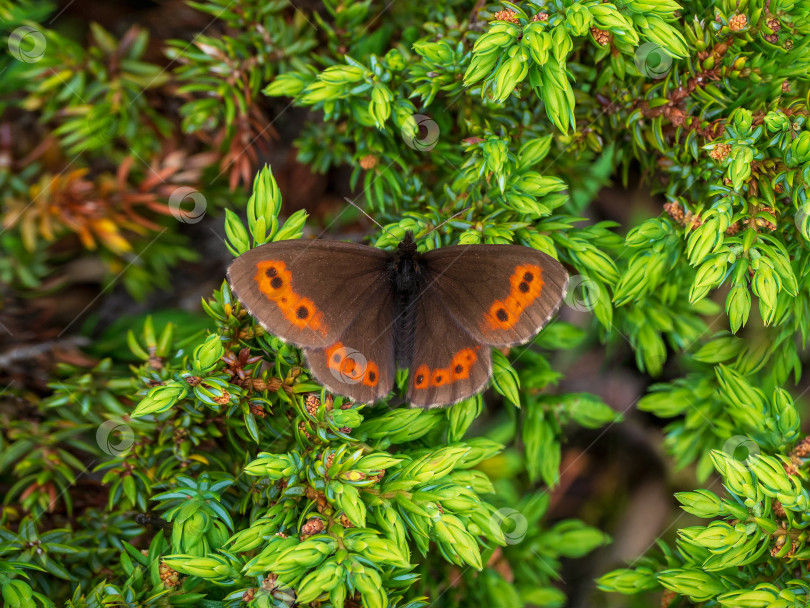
359 312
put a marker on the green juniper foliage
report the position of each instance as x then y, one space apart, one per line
254 486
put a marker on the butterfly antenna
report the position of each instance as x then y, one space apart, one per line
363 211
448 219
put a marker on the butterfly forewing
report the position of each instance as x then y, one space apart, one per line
500 294
308 292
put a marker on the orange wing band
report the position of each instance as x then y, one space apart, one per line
459 369
275 282
350 366
526 285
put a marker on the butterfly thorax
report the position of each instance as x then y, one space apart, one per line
405 269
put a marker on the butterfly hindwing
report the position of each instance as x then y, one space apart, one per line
500 294
361 363
309 292
447 364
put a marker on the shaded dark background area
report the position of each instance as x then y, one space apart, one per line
617 478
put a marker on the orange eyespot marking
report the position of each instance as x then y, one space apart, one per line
466 355
459 371
350 364
527 283
273 278
372 375
335 355
439 377
461 363
302 312
503 314
275 281
352 367
421 377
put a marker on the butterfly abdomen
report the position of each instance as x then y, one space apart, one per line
406 277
